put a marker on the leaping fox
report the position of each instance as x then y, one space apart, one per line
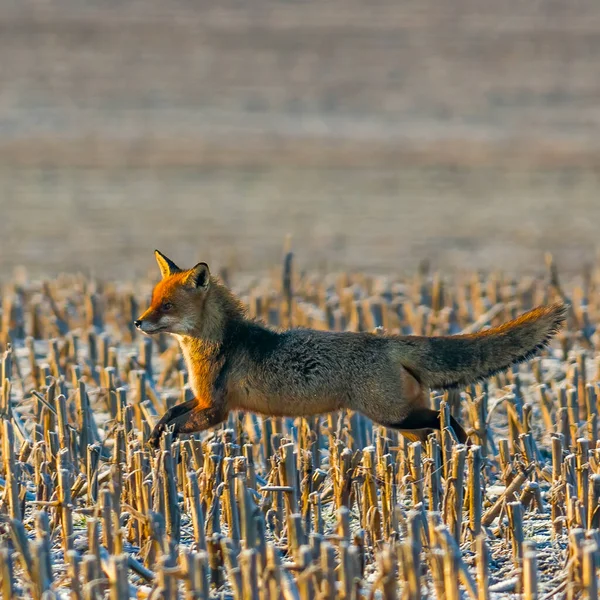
237 363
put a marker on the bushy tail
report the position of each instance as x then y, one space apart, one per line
449 361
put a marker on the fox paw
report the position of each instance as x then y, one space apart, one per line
154 439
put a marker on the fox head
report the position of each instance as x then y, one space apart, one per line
178 300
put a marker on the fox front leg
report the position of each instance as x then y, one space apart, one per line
187 417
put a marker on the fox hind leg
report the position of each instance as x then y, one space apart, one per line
421 419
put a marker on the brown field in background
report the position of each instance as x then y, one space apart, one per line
377 133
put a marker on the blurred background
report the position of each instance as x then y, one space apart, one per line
377 132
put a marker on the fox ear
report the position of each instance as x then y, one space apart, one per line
199 277
167 266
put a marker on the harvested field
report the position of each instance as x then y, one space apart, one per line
377 134
328 507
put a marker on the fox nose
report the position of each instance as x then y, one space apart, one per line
137 323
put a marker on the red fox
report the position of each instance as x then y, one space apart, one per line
237 363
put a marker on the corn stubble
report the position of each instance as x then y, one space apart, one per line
327 507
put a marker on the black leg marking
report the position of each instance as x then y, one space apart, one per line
187 418
426 418
177 411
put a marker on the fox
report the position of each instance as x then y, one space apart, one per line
238 363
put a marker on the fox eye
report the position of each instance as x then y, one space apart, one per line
167 306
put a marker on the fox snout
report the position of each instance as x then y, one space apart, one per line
144 325
150 322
